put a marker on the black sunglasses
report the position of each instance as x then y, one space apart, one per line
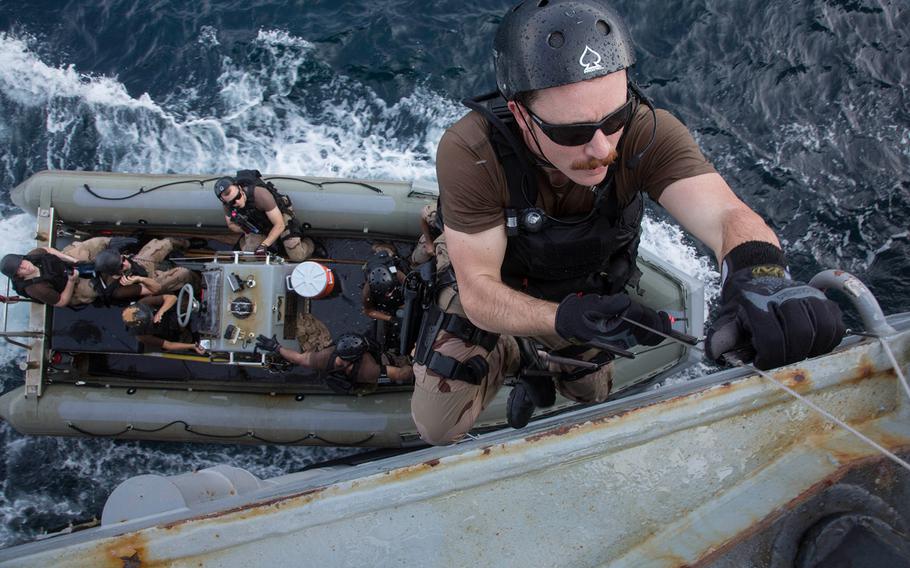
579 133
233 200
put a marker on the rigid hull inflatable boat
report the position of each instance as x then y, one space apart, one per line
86 376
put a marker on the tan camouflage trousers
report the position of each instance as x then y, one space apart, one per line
156 251
312 334
297 249
420 254
444 410
85 251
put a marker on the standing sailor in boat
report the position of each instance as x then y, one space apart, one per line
52 277
354 364
254 208
541 197
430 230
146 273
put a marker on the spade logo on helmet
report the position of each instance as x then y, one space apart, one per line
590 60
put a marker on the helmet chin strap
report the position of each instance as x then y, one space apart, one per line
542 156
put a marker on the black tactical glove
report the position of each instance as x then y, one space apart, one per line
268 344
261 249
782 320
582 318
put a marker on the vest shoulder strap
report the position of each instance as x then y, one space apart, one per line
520 173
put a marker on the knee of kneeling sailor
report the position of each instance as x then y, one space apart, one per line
438 434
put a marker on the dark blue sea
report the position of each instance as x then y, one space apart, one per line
802 105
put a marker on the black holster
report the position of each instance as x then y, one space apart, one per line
419 294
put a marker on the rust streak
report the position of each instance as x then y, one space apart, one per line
797 379
126 552
253 509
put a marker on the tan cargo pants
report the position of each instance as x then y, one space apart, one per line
297 249
444 410
85 251
153 253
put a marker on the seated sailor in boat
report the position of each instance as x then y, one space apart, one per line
52 277
354 364
154 323
265 218
127 277
383 293
430 230
541 194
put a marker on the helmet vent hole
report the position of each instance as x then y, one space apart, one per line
556 40
603 27
542 3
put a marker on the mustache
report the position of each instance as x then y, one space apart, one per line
594 163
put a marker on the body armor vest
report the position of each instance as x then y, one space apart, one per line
55 271
247 180
550 258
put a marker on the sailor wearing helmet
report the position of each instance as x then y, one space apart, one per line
353 364
265 218
541 195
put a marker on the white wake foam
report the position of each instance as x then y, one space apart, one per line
260 119
17 233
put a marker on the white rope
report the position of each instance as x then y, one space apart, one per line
831 417
897 368
811 404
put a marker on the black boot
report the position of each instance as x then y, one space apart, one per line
519 407
533 372
542 390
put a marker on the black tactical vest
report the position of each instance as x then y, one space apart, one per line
54 270
248 180
550 258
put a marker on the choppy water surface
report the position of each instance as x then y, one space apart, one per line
802 105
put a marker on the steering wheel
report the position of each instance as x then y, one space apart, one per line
186 296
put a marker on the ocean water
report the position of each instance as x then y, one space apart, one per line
802 105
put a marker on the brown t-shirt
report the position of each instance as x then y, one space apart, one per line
474 191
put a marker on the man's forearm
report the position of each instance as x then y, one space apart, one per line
743 225
273 235
60 255
295 357
67 293
495 307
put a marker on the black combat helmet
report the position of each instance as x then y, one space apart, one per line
379 274
222 184
108 261
10 264
350 346
548 43
137 317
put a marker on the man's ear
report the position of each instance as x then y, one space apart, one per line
520 114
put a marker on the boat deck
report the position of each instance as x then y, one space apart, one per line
103 347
